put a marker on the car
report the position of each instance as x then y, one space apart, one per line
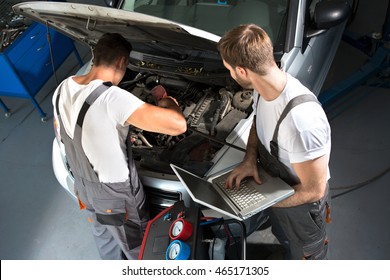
174 45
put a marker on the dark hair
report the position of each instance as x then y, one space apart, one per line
109 48
247 46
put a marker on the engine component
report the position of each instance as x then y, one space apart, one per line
220 112
242 100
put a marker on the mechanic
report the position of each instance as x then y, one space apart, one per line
95 117
294 145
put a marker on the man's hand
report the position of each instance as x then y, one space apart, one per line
160 97
245 169
158 93
166 102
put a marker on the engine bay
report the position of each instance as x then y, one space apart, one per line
211 112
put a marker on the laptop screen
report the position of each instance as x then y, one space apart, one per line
203 191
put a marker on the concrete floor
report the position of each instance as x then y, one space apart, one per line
39 221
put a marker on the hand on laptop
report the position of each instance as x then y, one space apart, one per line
244 170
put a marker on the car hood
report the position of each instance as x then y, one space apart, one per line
86 23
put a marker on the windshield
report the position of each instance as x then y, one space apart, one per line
218 16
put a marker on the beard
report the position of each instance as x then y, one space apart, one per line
244 83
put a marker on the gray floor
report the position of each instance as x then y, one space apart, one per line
40 221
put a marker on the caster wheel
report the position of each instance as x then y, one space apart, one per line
44 119
7 114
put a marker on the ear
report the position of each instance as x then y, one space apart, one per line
119 62
241 71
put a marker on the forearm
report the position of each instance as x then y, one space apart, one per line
313 180
298 198
165 119
248 167
302 196
252 145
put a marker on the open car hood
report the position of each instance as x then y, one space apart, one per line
86 23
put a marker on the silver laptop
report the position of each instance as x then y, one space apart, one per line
211 192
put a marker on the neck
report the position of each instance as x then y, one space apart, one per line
270 86
98 73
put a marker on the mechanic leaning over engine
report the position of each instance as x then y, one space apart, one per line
290 136
94 117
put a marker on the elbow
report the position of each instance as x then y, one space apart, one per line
316 197
319 193
180 127
183 127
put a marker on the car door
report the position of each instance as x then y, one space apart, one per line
311 50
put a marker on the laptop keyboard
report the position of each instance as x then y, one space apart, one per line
244 197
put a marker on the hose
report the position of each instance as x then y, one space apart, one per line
354 187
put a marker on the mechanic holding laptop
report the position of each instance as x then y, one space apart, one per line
94 119
290 136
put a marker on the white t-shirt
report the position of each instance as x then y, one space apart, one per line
104 129
305 132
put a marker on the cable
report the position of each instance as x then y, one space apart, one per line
212 246
208 222
360 185
51 52
216 140
234 241
354 8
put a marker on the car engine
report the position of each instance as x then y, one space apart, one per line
211 112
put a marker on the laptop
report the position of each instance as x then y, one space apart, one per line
210 192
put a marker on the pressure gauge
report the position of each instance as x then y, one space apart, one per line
178 250
180 229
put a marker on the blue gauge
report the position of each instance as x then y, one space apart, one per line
178 250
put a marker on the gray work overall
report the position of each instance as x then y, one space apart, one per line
118 211
300 229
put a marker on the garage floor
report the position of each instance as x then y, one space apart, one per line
40 221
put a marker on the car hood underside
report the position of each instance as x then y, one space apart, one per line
86 23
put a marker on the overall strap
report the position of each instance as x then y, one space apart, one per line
78 161
90 100
87 103
291 104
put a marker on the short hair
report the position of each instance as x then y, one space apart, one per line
248 46
109 48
